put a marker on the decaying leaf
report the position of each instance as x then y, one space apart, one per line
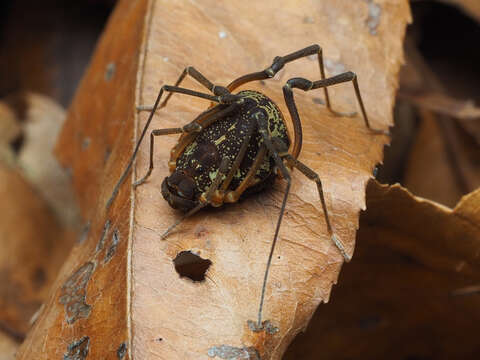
429 160
35 237
410 291
119 292
465 110
30 123
442 150
100 112
8 347
34 245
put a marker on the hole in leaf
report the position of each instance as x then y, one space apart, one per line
192 266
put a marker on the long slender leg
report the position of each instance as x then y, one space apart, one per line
278 64
194 73
206 198
312 175
263 129
307 85
222 99
156 132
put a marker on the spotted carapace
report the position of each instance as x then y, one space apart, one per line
195 163
239 145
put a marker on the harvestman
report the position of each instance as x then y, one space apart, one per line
238 146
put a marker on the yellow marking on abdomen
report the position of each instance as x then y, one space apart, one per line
220 140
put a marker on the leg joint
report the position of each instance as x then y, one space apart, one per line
299 83
228 98
351 75
220 90
269 71
192 127
316 48
277 65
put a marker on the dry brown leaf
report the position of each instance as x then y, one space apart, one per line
428 162
33 245
441 150
8 347
400 298
444 104
41 124
34 241
103 104
32 122
465 112
123 267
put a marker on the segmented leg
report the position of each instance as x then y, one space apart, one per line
263 129
312 175
307 85
278 64
156 132
195 74
204 200
222 99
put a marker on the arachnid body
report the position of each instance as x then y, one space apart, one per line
194 165
239 145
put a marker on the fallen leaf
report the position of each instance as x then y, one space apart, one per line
441 149
8 347
122 267
34 245
399 297
444 104
34 239
463 111
429 161
30 124
41 124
